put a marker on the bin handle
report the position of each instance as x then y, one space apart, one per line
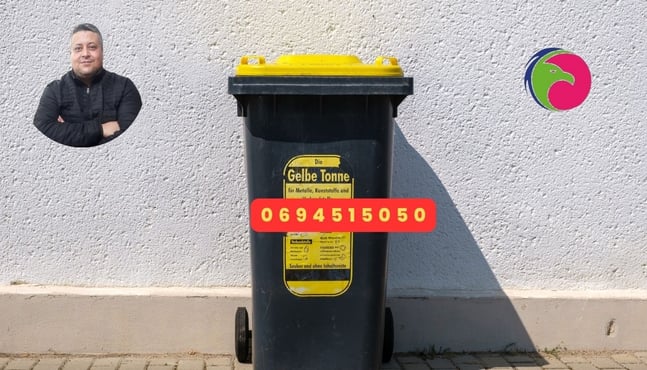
259 58
392 60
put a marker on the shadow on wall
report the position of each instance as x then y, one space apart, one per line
441 289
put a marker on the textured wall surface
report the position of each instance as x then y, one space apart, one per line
527 198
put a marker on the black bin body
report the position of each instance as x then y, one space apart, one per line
349 119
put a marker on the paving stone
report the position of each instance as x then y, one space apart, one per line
21 364
550 362
567 359
106 363
239 366
491 360
50 364
219 361
133 363
625 358
161 367
162 361
190 364
440 363
78 363
582 366
466 360
519 359
604 363
640 366
470 367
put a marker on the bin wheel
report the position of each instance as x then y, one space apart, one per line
387 349
243 337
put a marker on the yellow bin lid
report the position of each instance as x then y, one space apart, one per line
318 65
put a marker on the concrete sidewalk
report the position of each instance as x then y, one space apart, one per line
635 360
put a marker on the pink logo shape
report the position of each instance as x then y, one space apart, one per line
564 95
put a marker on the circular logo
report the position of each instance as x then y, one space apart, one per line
557 79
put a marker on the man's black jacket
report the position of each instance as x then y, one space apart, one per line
83 109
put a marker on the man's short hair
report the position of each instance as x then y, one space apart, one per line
91 28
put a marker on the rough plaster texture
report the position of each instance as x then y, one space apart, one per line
527 199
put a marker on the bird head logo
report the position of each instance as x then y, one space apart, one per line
557 79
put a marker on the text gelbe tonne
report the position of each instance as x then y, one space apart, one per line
320 175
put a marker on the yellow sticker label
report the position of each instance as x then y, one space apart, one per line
300 191
315 161
317 264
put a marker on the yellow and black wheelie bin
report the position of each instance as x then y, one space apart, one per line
318 299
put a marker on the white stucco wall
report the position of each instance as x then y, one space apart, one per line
527 199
